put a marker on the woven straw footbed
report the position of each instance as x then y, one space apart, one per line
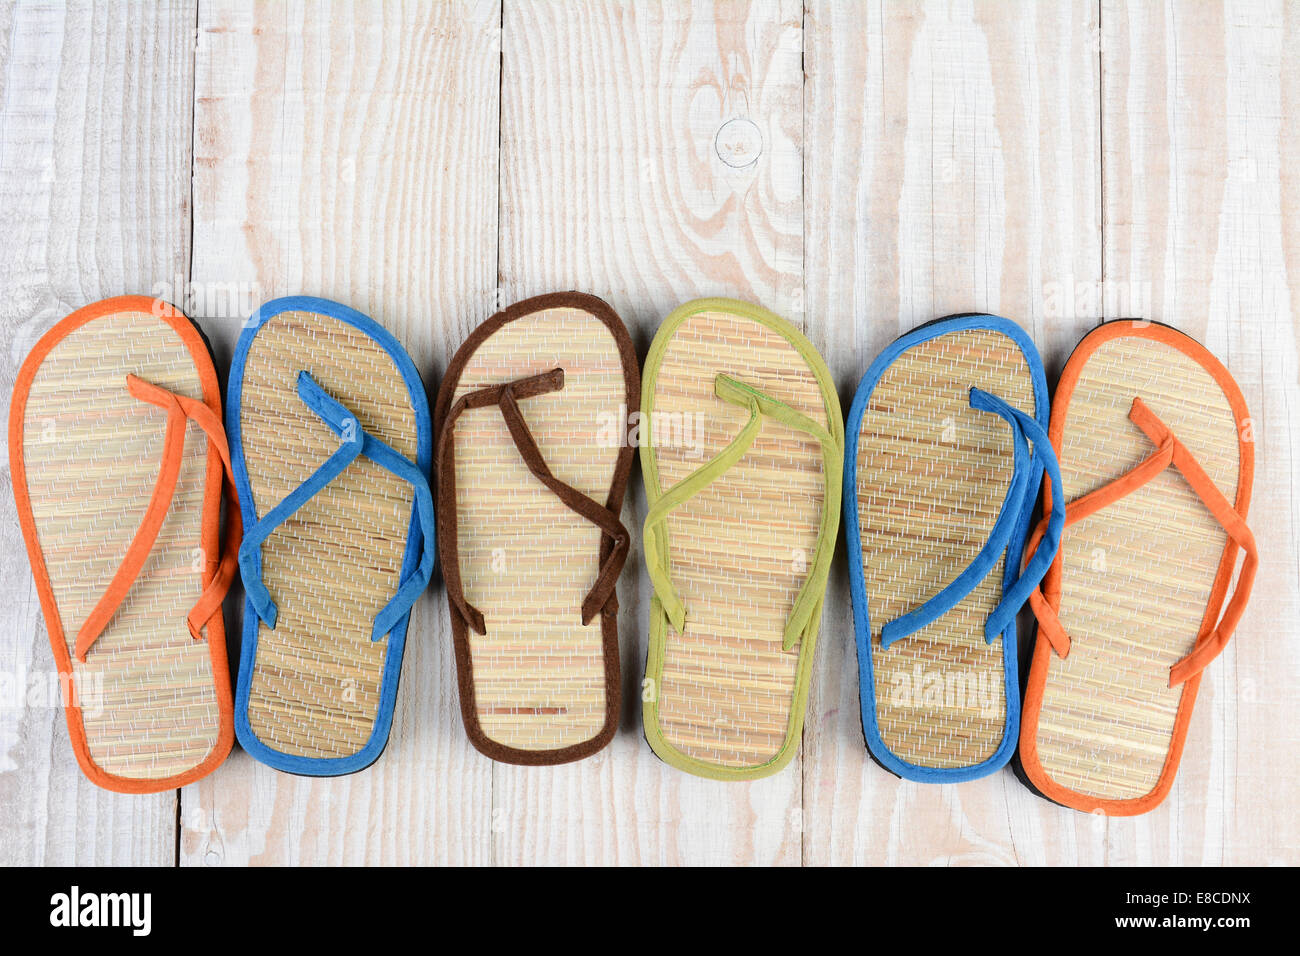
337 561
1136 576
932 475
742 548
92 454
526 560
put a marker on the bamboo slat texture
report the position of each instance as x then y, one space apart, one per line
740 550
526 559
857 168
932 476
318 674
148 701
1105 725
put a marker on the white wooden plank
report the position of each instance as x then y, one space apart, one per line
1201 202
938 157
614 133
94 201
350 151
953 166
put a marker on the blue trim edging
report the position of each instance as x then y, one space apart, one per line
292 763
857 582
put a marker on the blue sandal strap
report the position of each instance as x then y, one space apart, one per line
356 441
996 545
1015 596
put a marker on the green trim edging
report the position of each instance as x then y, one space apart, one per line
826 539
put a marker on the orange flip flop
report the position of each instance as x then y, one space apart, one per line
1157 461
118 455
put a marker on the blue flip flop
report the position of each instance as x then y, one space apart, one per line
947 448
331 446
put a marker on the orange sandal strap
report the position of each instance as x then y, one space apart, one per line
1169 451
179 409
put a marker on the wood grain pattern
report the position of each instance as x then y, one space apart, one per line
953 167
856 168
314 132
94 201
1196 128
620 122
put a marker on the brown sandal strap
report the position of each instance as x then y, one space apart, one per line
615 543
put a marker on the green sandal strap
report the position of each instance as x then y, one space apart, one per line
808 602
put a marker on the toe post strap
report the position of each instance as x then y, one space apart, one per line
804 615
1027 467
180 409
355 442
1169 452
615 540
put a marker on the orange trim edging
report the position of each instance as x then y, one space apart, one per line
1051 586
209 541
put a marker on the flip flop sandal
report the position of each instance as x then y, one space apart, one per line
1157 464
532 462
742 449
117 456
331 440
947 449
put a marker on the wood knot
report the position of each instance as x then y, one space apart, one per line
739 143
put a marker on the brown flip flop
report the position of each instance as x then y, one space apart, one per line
532 464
